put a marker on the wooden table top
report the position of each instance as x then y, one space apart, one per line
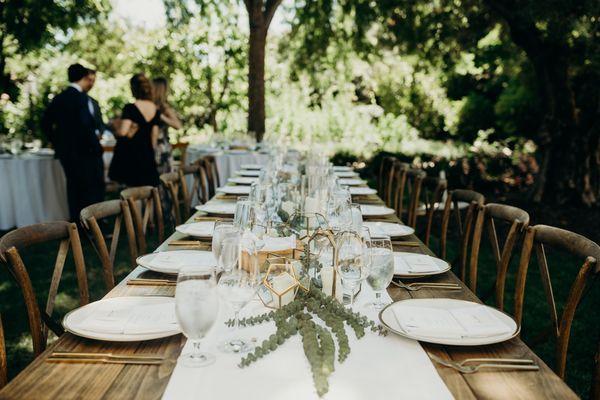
45 380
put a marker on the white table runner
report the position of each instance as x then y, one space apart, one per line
377 368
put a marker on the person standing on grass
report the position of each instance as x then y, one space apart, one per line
70 124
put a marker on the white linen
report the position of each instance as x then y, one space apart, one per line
142 319
465 322
376 367
405 263
34 190
351 181
279 243
216 207
234 189
242 180
198 229
369 210
362 190
388 229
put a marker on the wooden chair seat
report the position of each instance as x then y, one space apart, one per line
119 209
14 243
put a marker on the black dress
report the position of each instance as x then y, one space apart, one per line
133 162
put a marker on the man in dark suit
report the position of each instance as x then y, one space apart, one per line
72 127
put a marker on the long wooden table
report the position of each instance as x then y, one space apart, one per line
46 380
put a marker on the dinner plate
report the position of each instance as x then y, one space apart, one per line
390 229
248 172
362 191
242 180
220 208
237 151
252 166
234 189
351 181
369 210
389 320
346 174
170 262
78 321
440 206
338 168
202 229
404 260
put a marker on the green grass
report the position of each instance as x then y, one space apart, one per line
584 339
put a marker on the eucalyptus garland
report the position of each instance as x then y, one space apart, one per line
318 341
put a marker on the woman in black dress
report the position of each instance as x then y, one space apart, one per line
133 162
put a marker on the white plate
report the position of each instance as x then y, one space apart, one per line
170 262
369 210
351 181
242 180
390 229
248 172
338 168
440 206
388 319
362 191
252 166
402 270
224 208
346 174
73 320
202 229
234 189
237 151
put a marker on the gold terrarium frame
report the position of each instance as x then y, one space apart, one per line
284 265
305 231
329 235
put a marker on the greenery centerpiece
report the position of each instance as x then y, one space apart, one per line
301 317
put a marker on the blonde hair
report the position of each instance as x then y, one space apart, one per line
161 90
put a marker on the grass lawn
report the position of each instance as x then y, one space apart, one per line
584 338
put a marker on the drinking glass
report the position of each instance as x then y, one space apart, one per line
353 261
196 307
221 231
228 254
242 217
382 268
237 287
357 218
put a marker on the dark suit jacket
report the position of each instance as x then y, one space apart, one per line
98 122
71 128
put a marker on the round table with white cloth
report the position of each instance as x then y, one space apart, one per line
228 161
32 189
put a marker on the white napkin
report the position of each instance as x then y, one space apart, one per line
204 228
279 243
143 319
457 323
179 259
234 189
414 263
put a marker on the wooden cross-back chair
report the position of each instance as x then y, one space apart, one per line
12 246
490 215
384 181
197 174
176 189
412 191
537 238
201 183
432 192
144 204
119 209
3 360
397 185
212 173
464 225
182 148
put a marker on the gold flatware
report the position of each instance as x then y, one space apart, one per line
212 219
102 361
185 243
407 244
75 354
497 363
414 288
151 282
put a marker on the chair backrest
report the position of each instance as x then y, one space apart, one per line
490 215
14 243
464 224
119 209
432 192
538 237
177 193
386 170
397 187
144 204
199 189
212 173
182 147
414 181
3 360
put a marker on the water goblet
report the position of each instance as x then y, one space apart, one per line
382 268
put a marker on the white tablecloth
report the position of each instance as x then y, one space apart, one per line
32 189
377 368
228 161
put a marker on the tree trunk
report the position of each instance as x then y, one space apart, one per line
256 78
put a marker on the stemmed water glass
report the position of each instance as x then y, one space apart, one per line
382 268
196 307
238 286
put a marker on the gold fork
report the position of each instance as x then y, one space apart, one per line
498 363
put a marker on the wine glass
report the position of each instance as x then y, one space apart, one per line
221 231
196 307
353 261
237 287
382 268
